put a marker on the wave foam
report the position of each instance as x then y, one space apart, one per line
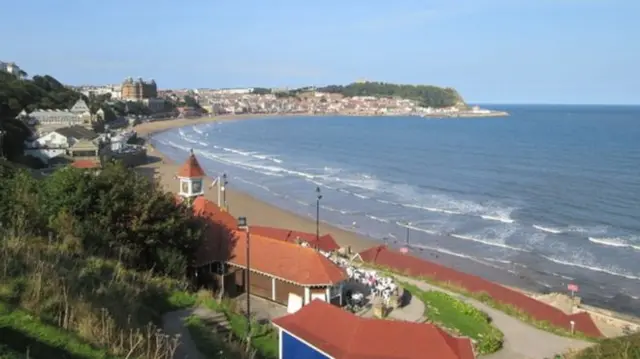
594 268
614 242
548 229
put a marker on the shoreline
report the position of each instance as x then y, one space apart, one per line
260 212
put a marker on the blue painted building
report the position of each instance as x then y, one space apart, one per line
292 347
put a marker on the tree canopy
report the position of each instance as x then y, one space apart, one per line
428 96
116 214
22 94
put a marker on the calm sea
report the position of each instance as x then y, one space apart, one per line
550 195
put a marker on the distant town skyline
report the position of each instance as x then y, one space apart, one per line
491 51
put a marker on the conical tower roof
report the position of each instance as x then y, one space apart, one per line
191 168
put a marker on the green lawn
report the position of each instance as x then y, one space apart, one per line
23 335
454 314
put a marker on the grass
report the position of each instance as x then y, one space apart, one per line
485 298
459 317
24 336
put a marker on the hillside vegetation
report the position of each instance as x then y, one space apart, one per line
625 347
427 96
18 94
100 257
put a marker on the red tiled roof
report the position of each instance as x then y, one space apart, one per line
205 208
343 335
538 310
191 168
274 257
325 243
86 164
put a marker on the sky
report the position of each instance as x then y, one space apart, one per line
491 51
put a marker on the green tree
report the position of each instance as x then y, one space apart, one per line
18 94
428 96
122 215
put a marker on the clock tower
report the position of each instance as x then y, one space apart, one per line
191 177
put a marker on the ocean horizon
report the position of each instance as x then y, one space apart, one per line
549 194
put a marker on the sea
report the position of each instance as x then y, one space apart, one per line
549 195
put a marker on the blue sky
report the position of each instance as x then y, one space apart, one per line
492 51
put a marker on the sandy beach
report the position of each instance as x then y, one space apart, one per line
240 204
259 212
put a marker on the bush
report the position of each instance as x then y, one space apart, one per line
625 347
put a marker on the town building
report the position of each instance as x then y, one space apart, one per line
282 272
66 144
78 115
115 91
323 331
138 90
11 68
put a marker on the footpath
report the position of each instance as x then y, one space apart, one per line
174 324
521 340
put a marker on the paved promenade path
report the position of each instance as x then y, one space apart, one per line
521 340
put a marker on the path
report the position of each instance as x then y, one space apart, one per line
173 324
521 340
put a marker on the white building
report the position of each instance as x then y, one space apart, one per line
114 90
12 68
78 115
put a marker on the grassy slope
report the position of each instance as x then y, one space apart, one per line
22 335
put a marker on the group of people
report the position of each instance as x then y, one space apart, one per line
379 286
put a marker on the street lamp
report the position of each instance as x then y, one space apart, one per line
224 190
407 236
319 197
243 225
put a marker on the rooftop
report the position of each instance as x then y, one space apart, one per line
191 168
274 257
344 335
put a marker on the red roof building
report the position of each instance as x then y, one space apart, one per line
278 268
191 176
86 164
324 243
321 330
414 266
191 168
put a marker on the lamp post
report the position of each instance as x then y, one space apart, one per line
224 190
407 236
243 225
318 198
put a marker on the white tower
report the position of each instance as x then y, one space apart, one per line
191 177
